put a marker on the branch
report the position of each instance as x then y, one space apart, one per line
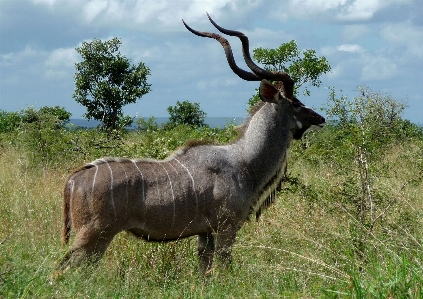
7 238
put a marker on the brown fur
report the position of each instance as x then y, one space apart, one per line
66 216
205 190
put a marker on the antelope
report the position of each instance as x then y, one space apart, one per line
204 190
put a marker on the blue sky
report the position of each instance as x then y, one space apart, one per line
377 43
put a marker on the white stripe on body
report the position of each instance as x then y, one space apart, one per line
142 179
111 189
126 189
172 167
192 180
90 202
173 195
95 175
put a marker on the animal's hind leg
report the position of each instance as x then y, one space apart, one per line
88 247
205 252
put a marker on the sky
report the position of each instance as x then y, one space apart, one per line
373 43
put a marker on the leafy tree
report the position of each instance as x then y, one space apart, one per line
44 134
106 81
186 113
9 121
360 136
149 124
303 66
57 115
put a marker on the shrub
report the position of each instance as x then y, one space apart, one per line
149 124
9 121
357 145
186 113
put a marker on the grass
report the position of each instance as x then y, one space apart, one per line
302 247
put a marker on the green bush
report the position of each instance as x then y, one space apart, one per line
357 146
186 113
57 115
149 124
42 134
9 121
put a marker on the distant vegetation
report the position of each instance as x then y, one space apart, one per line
348 222
186 113
105 81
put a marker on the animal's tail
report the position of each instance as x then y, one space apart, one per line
66 213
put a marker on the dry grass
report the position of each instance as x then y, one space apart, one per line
301 247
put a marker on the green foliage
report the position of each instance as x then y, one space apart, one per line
186 113
303 66
254 100
40 132
357 145
105 81
407 129
57 114
43 134
9 121
149 124
159 143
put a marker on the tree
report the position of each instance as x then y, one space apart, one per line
9 121
106 81
57 115
361 135
45 134
186 113
302 66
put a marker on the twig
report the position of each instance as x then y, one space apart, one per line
7 238
318 262
420 174
3 273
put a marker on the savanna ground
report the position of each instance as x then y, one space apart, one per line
348 222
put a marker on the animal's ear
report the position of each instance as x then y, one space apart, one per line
268 93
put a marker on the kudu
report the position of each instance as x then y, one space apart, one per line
204 190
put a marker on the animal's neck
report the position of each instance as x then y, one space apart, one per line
264 145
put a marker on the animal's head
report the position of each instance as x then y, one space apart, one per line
300 117
281 92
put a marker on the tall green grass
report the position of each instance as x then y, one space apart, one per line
304 246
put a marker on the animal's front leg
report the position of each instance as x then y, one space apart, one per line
205 252
225 241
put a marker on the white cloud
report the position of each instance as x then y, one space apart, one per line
48 2
378 69
365 9
343 10
17 57
157 14
350 48
361 10
353 32
316 6
361 67
404 35
62 57
60 63
93 8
